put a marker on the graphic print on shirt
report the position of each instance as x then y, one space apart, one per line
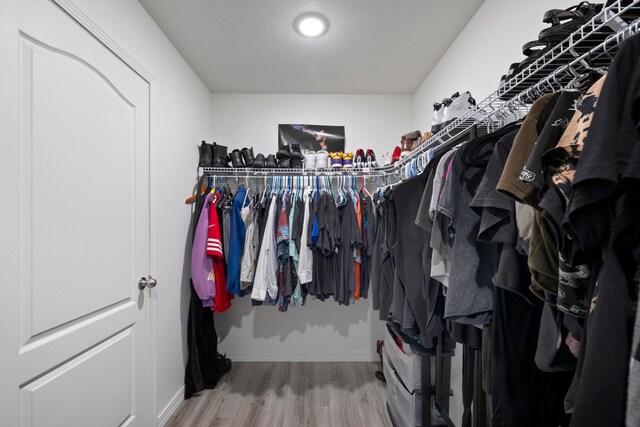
573 288
563 159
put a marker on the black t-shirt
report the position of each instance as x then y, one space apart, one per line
351 239
612 135
533 171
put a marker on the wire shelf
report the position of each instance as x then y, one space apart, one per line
593 45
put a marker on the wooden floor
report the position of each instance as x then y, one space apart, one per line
290 394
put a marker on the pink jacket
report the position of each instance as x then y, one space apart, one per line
201 263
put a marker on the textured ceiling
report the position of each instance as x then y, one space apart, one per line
372 46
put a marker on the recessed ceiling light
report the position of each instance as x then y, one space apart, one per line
311 24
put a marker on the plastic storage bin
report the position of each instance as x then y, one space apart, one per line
407 405
407 366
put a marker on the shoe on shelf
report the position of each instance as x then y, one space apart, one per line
258 162
283 155
566 21
296 156
347 160
336 160
370 159
408 141
284 163
359 161
220 157
386 159
396 155
283 152
270 162
322 160
458 107
405 147
310 159
247 156
438 116
205 154
236 159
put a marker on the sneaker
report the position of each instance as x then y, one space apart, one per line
386 159
457 107
296 157
407 142
258 162
370 161
310 160
284 163
360 160
283 153
347 160
438 116
270 162
322 159
336 160
396 155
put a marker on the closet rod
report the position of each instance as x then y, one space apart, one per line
261 173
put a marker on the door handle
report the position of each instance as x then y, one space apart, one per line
151 282
147 283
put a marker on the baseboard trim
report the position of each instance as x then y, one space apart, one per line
168 410
355 356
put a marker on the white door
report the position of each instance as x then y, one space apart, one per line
80 230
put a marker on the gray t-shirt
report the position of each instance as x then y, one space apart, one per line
441 240
470 290
429 201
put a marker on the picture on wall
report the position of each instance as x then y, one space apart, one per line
312 137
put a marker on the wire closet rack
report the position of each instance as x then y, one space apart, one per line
593 45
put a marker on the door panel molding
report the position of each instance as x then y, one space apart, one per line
42 399
28 41
70 9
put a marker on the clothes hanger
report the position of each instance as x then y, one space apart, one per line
191 199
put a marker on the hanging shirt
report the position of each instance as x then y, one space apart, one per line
265 278
357 258
236 241
282 249
305 261
201 264
250 252
225 222
221 301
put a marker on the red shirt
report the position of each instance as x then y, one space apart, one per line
222 299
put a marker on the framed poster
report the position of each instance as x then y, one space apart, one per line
312 137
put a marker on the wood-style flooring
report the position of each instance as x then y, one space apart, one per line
290 394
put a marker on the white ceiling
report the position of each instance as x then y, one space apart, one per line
372 46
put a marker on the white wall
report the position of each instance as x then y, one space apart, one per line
181 107
371 121
482 53
475 61
319 330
